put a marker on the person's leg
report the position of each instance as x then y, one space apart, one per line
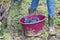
51 11
33 7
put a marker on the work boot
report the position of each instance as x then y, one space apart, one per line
30 11
51 25
52 31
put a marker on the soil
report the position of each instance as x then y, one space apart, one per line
20 36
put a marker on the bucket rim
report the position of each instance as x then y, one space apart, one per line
33 22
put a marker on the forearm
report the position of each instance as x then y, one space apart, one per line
2 2
51 7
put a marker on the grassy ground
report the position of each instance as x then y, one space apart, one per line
17 13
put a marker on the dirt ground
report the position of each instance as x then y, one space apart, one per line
17 34
44 35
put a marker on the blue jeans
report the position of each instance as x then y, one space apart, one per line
50 5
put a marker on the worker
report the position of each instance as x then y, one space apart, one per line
2 12
51 11
2 16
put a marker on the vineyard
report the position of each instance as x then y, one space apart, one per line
14 31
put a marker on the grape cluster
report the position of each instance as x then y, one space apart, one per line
31 20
